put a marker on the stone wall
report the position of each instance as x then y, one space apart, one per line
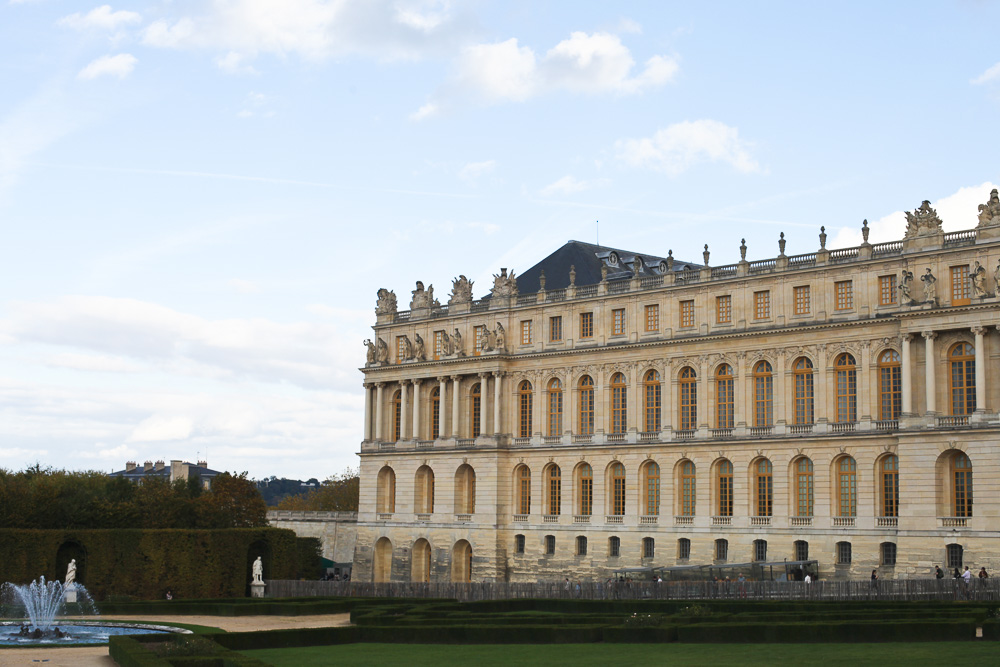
337 531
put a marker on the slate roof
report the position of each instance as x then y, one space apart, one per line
141 472
588 258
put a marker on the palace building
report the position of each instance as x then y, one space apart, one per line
607 409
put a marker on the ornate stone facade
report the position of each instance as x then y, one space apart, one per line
637 411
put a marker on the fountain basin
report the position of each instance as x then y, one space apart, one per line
81 632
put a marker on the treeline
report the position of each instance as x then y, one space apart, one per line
274 489
46 498
337 493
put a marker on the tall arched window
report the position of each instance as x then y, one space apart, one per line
889 474
382 560
804 493
688 399
435 412
617 489
651 486
763 394
802 369
651 401
724 396
385 491
961 475
890 385
397 416
477 398
553 483
465 490
962 362
619 408
724 483
585 484
847 388
524 409
687 488
586 405
555 407
522 478
847 486
763 487
423 491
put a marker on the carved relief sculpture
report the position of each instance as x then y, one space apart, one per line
500 339
489 340
504 285
407 348
381 352
924 221
930 286
461 290
978 279
386 303
456 344
371 352
419 353
996 280
989 213
905 286
445 344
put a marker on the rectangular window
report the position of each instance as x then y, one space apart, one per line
519 544
400 349
844 290
526 332
801 295
724 309
479 334
886 290
438 344
843 553
614 547
586 325
762 305
653 317
618 322
721 550
760 550
687 313
555 329
683 549
888 553
955 553
801 550
581 546
550 545
960 286
648 547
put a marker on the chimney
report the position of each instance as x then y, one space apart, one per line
129 466
203 464
179 470
148 466
160 465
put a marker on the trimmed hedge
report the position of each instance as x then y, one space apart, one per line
128 651
832 632
147 563
991 629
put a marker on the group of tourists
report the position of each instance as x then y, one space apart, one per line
965 576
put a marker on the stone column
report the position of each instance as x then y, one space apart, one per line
497 397
666 399
442 388
979 332
821 410
864 411
483 396
379 395
456 384
906 376
739 392
368 412
416 410
404 413
636 402
931 384
702 421
538 399
778 400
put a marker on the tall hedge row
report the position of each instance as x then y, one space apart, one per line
145 564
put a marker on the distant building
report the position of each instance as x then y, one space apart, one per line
176 470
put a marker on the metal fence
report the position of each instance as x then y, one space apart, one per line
887 589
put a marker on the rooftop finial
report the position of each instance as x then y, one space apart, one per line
781 244
864 230
822 238
705 254
743 250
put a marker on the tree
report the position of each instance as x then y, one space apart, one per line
234 502
338 493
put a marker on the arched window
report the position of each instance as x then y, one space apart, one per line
522 478
397 416
619 408
385 491
961 474
724 396
889 469
423 491
804 493
524 409
435 412
955 554
890 385
847 388
724 483
763 487
651 486
553 484
651 402
617 489
420 565
688 399
962 361
802 369
461 562
465 490
477 398
382 565
763 394
586 405
687 488
585 484
555 407
847 486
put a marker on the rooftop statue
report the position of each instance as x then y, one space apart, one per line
422 298
989 213
923 221
386 303
504 285
461 290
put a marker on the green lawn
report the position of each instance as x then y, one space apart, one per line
574 655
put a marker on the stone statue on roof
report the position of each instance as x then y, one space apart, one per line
504 285
461 290
422 298
922 222
386 303
989 213
371 352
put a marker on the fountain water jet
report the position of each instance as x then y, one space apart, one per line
41 602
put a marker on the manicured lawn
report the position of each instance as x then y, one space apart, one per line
574 655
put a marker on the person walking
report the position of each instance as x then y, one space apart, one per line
874 584
938 572
983 574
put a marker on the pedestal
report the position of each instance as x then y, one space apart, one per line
69 593
257 589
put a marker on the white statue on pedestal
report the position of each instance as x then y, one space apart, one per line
258 571
70 574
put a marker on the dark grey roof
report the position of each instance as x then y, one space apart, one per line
587 259
139 472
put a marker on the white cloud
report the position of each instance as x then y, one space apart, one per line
426 111
100 363
680 146
234 63
100 18
118 454
568 185
120 65
989 75
474 170
501 71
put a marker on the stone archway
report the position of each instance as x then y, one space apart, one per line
461 562
420 564
382 565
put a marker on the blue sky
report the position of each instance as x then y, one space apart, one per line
199 200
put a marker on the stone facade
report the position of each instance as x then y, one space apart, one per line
839 406
337 531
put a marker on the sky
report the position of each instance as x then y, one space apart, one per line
200 199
